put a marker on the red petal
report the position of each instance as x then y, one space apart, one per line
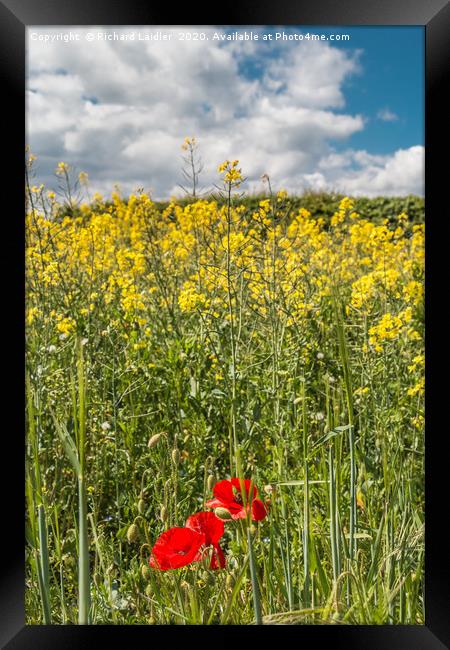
153 562
236 483
218 558
239 513
259 510
223 491
214 503
232 506
208 524
175 548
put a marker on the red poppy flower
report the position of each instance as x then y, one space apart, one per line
228 495
175 548
212 528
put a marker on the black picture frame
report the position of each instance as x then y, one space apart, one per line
15 16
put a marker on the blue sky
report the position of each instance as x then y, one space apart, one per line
393 62
342 115
392 77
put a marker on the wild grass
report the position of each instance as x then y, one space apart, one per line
170 348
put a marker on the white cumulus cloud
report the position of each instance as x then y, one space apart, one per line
121 110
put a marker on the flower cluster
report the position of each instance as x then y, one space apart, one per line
178 547
239 498
232 175
189 143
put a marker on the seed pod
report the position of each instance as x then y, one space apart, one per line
141 506
175 456
208 578
163 514
222 513
145 571
154 440
133 534
68 560
210 482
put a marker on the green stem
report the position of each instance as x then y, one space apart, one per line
349 401
254 578
83 541
83 556
235 445
306 524
43 568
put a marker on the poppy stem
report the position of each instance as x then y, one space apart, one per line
83 553
43 566
254 578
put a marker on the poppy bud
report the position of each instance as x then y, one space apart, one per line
230 581
151 620
175 456
141 506
148 591
154 440
145 571
222 513
133 534
163 514
210 482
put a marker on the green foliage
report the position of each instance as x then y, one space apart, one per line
325 204
134 413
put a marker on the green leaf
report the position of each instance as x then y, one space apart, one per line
68 444
331 434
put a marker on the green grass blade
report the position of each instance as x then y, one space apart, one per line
44 565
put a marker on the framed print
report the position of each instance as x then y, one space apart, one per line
221 282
